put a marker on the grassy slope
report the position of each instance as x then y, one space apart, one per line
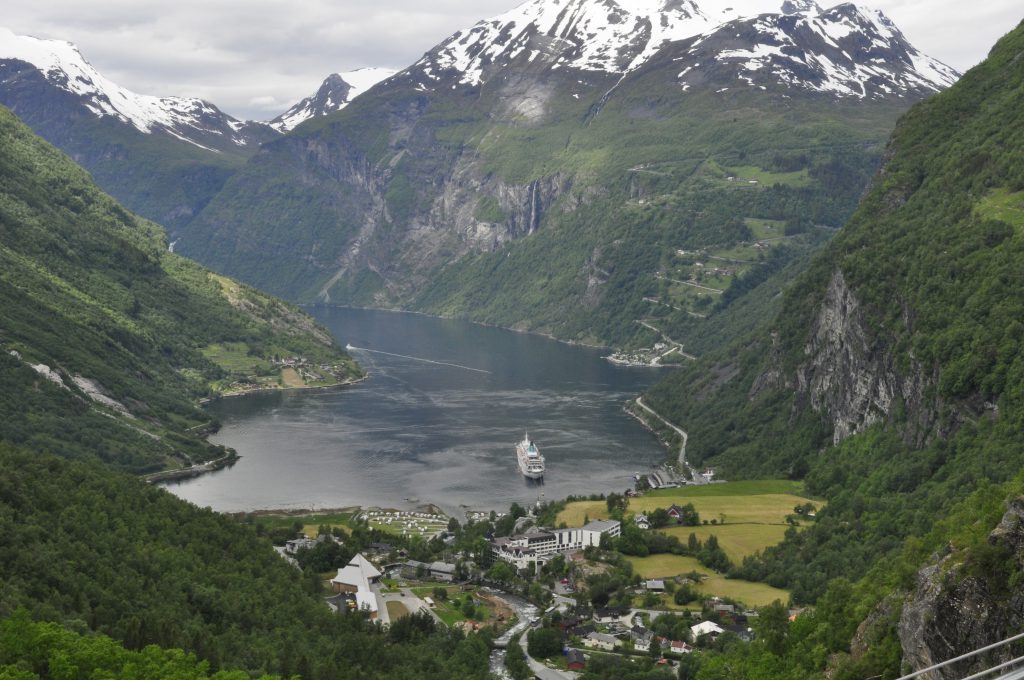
89 289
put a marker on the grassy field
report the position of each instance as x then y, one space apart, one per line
291 378
747 592
765 228
1002 205
397 610
757 502
737 540
234 358
311 522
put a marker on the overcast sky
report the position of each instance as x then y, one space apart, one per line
255 58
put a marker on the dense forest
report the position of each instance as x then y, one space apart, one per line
106 338
100 552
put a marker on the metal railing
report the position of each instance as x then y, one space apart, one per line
1015 675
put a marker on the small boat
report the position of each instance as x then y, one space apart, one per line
531 463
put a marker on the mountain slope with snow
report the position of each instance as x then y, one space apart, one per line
63 66
846 50
337 91
843 51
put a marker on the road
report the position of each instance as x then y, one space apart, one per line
682 449
542 671
690 283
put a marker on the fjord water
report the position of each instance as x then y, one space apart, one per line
436 422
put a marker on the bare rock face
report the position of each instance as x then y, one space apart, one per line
851 375
955 610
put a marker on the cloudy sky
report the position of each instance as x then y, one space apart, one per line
254 58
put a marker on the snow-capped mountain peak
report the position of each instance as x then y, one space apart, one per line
335 93
846 50
613 36
64 67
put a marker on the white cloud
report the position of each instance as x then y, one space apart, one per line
247 57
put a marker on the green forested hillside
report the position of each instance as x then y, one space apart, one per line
917 304
122 332
100 551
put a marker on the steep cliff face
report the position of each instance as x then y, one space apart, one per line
956 609
854 376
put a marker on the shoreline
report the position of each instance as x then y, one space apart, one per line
279 388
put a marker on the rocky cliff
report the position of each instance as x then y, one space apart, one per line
961 605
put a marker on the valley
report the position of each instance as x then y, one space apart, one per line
750 282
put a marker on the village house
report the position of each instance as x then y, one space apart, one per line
296 544
575 660
642 522
706 628
655 586
642 638
679 647
609 614
600 641
442 571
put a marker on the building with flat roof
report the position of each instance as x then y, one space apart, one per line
540 545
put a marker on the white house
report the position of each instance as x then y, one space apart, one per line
706 628
642 522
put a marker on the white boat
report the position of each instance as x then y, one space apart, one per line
531 463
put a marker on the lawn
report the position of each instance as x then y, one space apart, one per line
667 566
397 610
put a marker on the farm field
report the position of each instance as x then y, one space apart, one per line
737 540
749 593
758 502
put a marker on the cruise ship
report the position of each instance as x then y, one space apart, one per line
531 463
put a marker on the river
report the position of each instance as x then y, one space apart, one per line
436 422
